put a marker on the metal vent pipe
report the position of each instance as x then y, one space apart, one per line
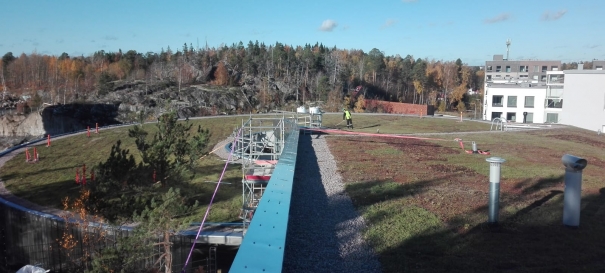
572 195
494 188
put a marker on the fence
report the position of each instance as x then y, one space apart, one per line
28 237
32 237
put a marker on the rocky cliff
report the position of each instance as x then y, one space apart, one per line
21 125
128 101
58 119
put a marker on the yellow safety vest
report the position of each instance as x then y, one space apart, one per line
347 114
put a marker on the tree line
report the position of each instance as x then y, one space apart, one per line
313 70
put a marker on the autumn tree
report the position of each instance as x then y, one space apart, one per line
419 79
450 80
375 62
360 104
80 248
221 75
462 88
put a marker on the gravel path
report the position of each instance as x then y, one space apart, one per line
324 229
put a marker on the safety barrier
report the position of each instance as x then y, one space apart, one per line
32 237
264 243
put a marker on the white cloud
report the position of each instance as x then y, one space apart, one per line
328 25
389 23
499 18
548 16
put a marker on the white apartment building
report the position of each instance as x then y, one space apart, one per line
524 91
585 99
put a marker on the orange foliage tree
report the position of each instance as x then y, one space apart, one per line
221 75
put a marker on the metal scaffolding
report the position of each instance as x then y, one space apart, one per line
310 118
259 147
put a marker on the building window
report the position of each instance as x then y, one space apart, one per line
536 68
511 116
489 68
529 101
529 118
536 77
554 103
498 76
489 77
599 67
498 68
508 68
552 117
543 78
523 68
554 68
544 68
497 101
512 102
496 115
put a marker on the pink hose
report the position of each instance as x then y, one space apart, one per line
212 200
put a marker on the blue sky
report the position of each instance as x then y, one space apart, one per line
436 29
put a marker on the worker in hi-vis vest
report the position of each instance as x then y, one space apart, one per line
347 115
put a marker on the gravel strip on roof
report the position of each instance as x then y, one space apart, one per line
324 229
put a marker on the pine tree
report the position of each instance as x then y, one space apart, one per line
162 219
172 152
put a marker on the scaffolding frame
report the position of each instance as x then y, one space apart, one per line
259 146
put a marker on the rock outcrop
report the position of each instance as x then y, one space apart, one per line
58 119
128 101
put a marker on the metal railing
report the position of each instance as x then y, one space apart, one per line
264 243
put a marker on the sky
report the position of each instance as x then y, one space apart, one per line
471 30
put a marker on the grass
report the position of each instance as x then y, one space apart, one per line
51 179
395 124
426 201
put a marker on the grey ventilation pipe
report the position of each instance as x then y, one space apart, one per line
572 196
494 188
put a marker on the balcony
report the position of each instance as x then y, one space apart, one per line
554 103
555 78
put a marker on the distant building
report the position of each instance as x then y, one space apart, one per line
522 91
598 64
534 92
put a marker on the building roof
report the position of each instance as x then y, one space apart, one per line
513 85
585 71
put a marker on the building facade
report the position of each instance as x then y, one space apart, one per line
526 91
598 64
584 99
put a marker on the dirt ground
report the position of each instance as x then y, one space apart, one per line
442 179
